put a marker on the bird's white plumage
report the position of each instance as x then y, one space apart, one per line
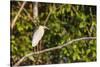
37 36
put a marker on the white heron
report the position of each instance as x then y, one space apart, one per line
38 34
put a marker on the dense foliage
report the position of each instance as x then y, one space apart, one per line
66 22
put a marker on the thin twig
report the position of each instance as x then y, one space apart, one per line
28 14
47 18
16 17
76 12
54 48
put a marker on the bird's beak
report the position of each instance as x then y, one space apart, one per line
47 28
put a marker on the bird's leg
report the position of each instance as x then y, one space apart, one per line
37 47
40 60
37 56
40 45
34 49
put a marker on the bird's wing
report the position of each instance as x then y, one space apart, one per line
37 36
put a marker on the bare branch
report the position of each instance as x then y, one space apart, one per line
28 14
54 48
35 12
76 12
16 17
46 20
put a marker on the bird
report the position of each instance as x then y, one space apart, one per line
38 34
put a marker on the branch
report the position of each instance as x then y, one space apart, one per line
46 20
35 11
28 14
54 48
74 9
16 17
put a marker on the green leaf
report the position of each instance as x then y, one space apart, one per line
88 51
